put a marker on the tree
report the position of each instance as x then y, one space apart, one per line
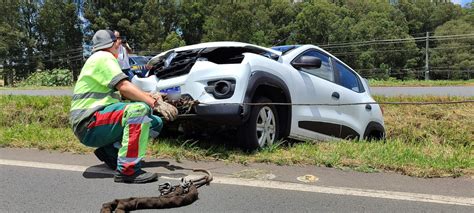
192 16
279 16
9 37
424 16
173 40
315 23
230 22
28 25
18 29
59 29
122 15
456 56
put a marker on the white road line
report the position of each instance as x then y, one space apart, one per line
405 196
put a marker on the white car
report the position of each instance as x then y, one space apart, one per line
298 88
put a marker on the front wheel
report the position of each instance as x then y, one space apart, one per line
262 127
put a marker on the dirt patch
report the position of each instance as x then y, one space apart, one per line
1 83
258 174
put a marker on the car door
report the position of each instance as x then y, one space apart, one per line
315 86
353 118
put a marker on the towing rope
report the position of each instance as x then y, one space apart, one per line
171 196
186 104
343 104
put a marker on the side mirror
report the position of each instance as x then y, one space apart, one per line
307 61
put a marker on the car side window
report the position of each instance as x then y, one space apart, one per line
347 78
131 61
325 71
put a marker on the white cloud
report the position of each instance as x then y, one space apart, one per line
456 1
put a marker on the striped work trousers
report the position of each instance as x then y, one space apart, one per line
126 127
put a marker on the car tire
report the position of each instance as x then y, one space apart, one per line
374 132
262 127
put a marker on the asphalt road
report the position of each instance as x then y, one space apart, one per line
42 190
387 91
40 181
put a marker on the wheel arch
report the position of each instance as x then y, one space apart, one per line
374 130
262 83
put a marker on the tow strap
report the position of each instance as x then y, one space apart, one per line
171 196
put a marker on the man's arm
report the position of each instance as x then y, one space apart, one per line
128 48
131 92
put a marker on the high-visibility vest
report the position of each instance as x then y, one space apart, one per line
95 88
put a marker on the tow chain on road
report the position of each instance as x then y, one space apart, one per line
171 196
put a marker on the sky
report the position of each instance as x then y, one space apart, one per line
461 2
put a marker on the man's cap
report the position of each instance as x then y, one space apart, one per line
103 39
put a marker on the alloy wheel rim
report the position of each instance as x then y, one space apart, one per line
266 126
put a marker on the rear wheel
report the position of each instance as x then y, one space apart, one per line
262 127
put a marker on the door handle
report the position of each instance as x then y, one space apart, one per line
368 107
335 95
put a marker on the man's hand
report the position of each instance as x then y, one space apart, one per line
168 111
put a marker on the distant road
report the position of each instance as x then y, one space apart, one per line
416 91
39 92
387 91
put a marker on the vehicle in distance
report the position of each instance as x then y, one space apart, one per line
138 65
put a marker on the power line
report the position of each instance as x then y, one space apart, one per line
395 41
400 50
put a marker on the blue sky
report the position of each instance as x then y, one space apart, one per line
461 2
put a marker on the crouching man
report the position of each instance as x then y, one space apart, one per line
120 130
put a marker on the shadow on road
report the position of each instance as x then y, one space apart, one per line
101 171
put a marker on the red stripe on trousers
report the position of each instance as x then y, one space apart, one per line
106 118
134 131
128 168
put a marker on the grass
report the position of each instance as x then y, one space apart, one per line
419 83
34 87
422 141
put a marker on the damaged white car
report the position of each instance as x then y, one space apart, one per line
297 90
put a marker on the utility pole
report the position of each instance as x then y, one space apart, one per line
427 68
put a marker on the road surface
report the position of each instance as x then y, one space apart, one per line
41 181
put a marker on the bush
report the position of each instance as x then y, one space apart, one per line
55 77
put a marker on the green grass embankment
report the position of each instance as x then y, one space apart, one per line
422 141
419 83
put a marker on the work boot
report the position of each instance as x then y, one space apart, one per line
110 161
140 176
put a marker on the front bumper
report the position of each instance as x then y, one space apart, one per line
230 114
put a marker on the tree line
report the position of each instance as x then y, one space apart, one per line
379 39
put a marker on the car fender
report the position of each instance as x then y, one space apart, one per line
259 78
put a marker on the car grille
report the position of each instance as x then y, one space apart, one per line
174 64
180 64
